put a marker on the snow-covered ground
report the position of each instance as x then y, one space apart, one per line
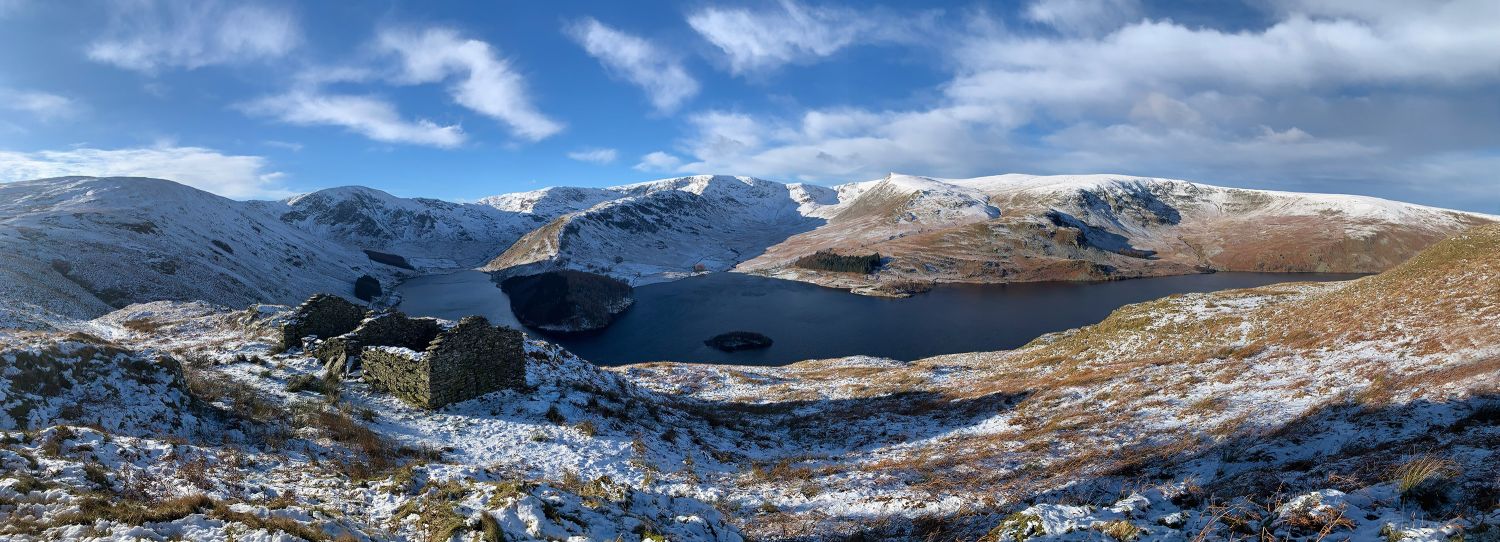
1367 409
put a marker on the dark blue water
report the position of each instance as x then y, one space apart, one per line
670 321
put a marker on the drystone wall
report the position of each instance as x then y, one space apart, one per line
401 372
463 362
342 353
322 315
475 358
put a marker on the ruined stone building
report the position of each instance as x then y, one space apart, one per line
465 361
419 360
323 316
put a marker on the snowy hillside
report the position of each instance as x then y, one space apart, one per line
429 233
1011 228
1360 410
77 247
667 228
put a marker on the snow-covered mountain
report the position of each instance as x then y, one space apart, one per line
78 247
1102 226
660 229
428 233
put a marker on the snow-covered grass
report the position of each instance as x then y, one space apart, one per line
1356 410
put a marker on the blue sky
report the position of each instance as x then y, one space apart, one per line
459 100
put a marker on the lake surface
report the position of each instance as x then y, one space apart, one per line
456 295
671 320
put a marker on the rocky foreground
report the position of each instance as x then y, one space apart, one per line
1367 409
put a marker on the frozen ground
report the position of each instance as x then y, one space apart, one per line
1367 409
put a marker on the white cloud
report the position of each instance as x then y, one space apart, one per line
596 156
484 82
659 161
368 116
43 105
1083 16
1156 98
765 39
151 34
231 176
287 145
644 64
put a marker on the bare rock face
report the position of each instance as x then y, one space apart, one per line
323 316
567 301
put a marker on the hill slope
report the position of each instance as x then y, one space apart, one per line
1361 410
429 233
77 247
1354 409
1106 226
665 228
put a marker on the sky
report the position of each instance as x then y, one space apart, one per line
460 100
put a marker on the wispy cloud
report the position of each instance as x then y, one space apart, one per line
152 34
369 116
763 39
659 162
43 105
1083 16
287 145
595 156
482 81
234 176
645 64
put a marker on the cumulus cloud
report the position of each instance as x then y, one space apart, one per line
234 176
369 116
481 80
659 162
644 64
764 39
594 156
43 105
152 34
1322 94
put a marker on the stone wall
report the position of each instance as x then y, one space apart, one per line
400 372
322 315
466 361
341 353
475 358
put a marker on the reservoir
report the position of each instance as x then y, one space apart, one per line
670 320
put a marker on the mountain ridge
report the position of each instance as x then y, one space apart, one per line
1005 228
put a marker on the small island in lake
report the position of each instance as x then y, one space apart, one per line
735 341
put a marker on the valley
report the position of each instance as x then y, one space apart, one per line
161 381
